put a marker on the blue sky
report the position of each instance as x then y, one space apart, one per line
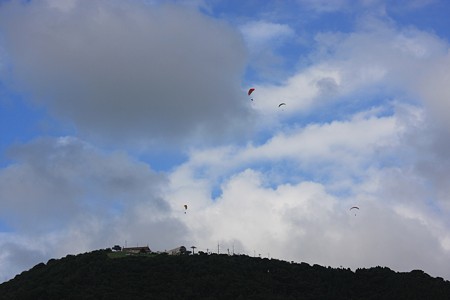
115 114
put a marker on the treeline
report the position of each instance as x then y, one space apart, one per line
95 275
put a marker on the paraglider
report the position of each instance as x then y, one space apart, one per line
185 208
281 104
250 91
354 207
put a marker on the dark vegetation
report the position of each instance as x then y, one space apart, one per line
98 275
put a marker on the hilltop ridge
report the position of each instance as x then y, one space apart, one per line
97 275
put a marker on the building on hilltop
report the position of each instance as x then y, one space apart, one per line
178 251
137 250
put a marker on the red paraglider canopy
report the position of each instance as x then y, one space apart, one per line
250 91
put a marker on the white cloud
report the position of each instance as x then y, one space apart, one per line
324 6
260 34
303 222
263 40
298 92
315 148
407 63
373 6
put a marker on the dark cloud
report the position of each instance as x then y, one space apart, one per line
17 258
327 86
57 181
428 159
128 70
62 195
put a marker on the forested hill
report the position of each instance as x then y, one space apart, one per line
97 275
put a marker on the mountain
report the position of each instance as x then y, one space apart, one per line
102 274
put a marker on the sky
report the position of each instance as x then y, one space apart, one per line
115 114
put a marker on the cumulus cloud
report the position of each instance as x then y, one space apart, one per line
341 146
389 160
354 66
412 65
309 220
304 222
129 70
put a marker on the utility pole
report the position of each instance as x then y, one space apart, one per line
218 248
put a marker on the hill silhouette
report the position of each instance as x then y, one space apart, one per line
97 275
